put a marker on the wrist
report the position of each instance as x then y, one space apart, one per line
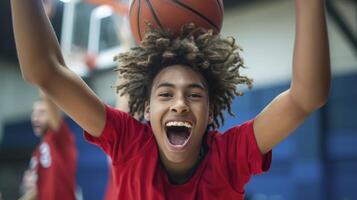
309 7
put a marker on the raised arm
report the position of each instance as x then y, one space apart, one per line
42 64
310 84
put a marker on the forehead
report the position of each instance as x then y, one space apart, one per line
39 105
179 75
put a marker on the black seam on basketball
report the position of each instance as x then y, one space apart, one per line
138 19
220 7
154 14
131 7
197 13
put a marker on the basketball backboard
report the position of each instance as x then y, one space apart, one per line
92 35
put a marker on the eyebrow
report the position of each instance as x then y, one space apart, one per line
192 85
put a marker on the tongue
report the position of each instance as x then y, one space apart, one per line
177 138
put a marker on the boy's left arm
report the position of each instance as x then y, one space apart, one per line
310 84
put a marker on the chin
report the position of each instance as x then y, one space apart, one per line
37 135
38 132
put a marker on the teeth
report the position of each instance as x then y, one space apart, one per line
175 123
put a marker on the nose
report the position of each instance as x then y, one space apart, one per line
35 117
180 106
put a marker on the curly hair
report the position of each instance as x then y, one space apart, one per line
216 58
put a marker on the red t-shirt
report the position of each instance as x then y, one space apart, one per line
230 161
54 162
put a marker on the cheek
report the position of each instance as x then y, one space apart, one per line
202 110
43 120
202 116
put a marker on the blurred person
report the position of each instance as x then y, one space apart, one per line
52 170
181 86
53 162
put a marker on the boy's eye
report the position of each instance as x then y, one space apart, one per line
194 95
165 94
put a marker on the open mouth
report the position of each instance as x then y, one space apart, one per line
178 133
36 126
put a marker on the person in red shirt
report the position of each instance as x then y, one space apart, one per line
181 86
52 170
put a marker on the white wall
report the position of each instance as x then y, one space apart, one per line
266 33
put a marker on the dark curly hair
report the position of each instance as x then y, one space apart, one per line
217 59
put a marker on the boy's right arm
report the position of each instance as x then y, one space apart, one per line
42 64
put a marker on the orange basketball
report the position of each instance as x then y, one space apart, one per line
172 14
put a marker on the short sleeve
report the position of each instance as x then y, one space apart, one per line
243 157
122 136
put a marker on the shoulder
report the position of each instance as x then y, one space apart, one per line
237 138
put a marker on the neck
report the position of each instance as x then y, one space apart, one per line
180 173
42 136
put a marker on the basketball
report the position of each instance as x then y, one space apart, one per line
172 14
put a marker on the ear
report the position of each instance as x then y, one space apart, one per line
147 111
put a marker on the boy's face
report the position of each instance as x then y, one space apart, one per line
178 112
39 118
